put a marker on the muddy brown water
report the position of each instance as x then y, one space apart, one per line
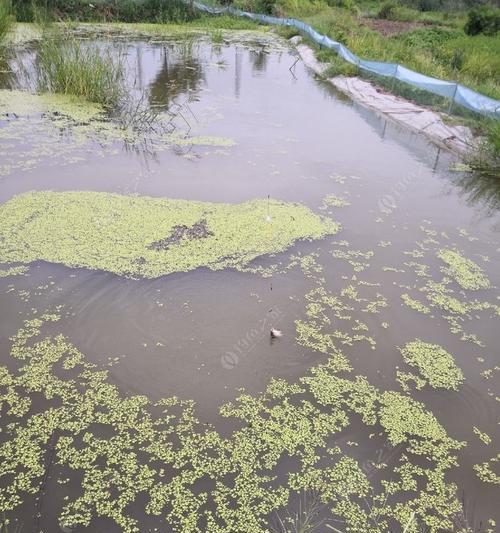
203 334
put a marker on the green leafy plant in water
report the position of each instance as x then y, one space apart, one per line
464 271
39 119
435 364
404 378
331 200
69 66
217 36
13 271
122 449
485 472
484 437
415 304
149 237
21 103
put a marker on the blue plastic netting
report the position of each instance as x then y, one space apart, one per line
457 93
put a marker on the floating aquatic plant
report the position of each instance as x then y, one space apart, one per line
124 449
415 304
149 237
37 120
13 271
21 103
404 378
331 200
434 363
485 472
356 258
464 271
484 437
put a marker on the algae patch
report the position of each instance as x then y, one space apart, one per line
464 271
120 451
22 103
435 364
31 126
14 271
485 472
149 237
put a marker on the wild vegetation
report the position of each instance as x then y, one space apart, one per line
69 66
159 11
451 40
6 20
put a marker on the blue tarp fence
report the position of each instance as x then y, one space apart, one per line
455 92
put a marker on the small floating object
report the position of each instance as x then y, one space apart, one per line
268 216
275 333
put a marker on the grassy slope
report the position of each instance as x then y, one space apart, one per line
436 45
440 48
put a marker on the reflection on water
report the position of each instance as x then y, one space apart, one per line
170 75
6 74
180 73
259 60
479 190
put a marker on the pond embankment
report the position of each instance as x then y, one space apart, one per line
430 123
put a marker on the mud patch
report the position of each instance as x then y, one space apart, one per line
387 28
199 230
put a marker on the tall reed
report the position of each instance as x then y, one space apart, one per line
70 66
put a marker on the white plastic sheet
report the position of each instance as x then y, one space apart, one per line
458 94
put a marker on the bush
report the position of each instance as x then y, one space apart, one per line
387 10
427 5
268 6
483 19
100 10
485 159
6 18
427 38
350 5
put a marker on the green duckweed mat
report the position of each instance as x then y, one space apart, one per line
149 237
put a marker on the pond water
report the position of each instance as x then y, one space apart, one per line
204 334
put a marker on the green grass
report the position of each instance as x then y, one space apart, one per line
485 159
439 51
438 47
224 22
69 66
6 19
217 36
159 11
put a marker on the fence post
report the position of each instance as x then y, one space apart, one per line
453 99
